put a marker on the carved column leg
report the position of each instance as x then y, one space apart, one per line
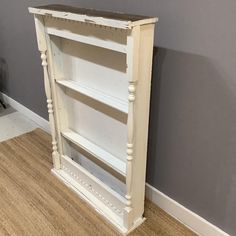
55 154
130 146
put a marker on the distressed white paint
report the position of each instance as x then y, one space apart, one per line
122 24
81 62
96 94
96 151
97 83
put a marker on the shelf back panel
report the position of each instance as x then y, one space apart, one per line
104 37
93 168
95 67
103 130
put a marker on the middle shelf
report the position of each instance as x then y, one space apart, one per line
96 151
96 94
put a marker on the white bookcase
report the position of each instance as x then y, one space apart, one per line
97 73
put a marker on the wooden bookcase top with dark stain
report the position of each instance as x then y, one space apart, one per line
95 13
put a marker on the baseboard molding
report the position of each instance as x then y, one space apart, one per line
173 208
193 221
41 122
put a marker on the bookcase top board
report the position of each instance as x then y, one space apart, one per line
112 19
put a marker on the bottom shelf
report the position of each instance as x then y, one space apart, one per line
97 152
106 201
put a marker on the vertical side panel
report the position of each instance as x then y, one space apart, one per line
42 45
56 45
59 118
132 71
142 103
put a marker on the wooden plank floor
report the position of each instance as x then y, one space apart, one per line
34 202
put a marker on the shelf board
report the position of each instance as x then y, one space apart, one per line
95 94
88 40
96 151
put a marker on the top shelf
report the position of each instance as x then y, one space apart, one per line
90 40
111 19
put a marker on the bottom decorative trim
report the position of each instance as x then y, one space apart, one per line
68 181
90 188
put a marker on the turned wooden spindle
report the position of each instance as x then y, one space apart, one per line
55 154
130 147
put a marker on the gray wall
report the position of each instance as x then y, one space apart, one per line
192 142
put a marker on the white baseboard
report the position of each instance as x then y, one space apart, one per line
41 122
193 221
173 208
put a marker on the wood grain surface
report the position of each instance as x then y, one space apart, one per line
93 12
34 202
